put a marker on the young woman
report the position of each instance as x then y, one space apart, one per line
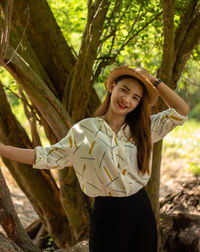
111 155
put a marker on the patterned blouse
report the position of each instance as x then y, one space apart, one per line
105 162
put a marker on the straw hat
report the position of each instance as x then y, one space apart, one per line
139 73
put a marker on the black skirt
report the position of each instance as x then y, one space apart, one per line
123 224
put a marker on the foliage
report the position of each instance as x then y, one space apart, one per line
71 17
11 89
195 168
143 50
10 85
131 34
188 87
50 244
124 20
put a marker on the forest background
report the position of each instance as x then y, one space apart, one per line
43 65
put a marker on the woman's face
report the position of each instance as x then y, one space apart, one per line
125 96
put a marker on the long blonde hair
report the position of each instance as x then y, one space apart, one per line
139 124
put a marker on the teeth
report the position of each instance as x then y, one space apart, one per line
122 105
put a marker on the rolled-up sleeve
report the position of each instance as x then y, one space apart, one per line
165 121
55 156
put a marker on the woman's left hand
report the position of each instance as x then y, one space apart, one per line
152 78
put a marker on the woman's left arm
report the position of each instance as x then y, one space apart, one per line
171 98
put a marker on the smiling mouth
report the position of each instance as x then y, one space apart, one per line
122 106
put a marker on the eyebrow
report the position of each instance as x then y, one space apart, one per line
130 90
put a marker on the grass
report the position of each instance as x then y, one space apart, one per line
184 143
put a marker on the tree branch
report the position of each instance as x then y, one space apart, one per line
20 42
191 82
191 41
90 12
84 66
32 120
102 65
58 63
5 29
19 97
39 94
136 33
10 221
7 244
109 60
168 47
183 27
113 31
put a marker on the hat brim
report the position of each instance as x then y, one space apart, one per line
139 74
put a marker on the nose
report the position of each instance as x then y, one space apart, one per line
126 99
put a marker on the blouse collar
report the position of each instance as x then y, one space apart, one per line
124 131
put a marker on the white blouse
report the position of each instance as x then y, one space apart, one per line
105 163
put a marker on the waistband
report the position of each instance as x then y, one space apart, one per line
109 203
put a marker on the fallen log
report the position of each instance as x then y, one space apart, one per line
180 219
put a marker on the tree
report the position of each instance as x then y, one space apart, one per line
48 71
10 221
178 46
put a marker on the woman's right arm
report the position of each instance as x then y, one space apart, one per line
26 156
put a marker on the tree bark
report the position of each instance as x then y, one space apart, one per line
45 70
81 77
53 111
49 39
165 73
154 184
152 187
83 69
191 41
31 118
175 55
40 95
184 25
8 245
76 203
39 186
168 47
10 221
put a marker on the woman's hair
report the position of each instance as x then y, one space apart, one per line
139 123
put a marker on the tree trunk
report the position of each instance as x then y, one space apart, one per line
76 204
56 117
48 45
176 52
83 69
152 187
10 221
8 245
46 70
39 186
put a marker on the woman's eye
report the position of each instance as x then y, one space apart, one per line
123 89
135 98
